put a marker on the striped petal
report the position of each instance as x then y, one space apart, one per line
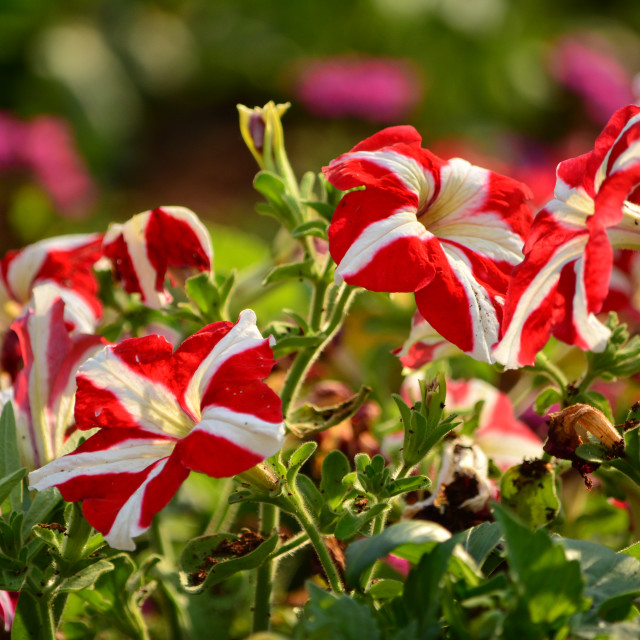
565 277
160 414
447 230
65 261
145 249
45 387
124 477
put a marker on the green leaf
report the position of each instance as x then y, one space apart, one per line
311 419
298 458
8 483
9 454
336 617
324 209
481 540
310 493
296 270
403 485
529 489
610 576
317 228
85 577
295 343
351 523
546 398
28 623
44 502
386 589
335 467
398 538
209 560
550 584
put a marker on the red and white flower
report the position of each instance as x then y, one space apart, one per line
447 230
564 279
423 345
502 437
161 414
153 244
65 262
44 390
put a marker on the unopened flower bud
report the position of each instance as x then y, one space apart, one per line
261 130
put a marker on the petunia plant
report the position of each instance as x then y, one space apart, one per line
394 447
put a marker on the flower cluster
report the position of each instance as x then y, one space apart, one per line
152 414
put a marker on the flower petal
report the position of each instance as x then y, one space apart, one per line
149 244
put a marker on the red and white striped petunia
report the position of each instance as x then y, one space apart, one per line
150 245
564 279
424 345
161 414
63 261
44 390
447 230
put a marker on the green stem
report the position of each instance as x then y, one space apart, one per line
306 357
544 365
270 516
321 550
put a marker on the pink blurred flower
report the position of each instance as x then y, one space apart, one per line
45 147
8 602
583 64
375 89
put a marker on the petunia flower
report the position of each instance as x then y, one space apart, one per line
44 390
564 279
161 414
65 262
153 244
447 230
423 345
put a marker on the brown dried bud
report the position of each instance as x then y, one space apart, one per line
569 428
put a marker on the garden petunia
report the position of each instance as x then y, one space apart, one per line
564 279
447 230
161 414
44 390
65 262
150 245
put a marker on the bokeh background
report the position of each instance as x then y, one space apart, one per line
111 107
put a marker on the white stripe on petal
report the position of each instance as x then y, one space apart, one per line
408 170
244 335
128 456
126 526
588 327
462 192
152 405
484 321
604 170
242 429
508 350
401 224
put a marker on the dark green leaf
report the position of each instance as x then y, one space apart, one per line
8 483
290 344
28 623
362 554
9 453
324 209
208 560
86 577
336 617
335 467
386 589
481 540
